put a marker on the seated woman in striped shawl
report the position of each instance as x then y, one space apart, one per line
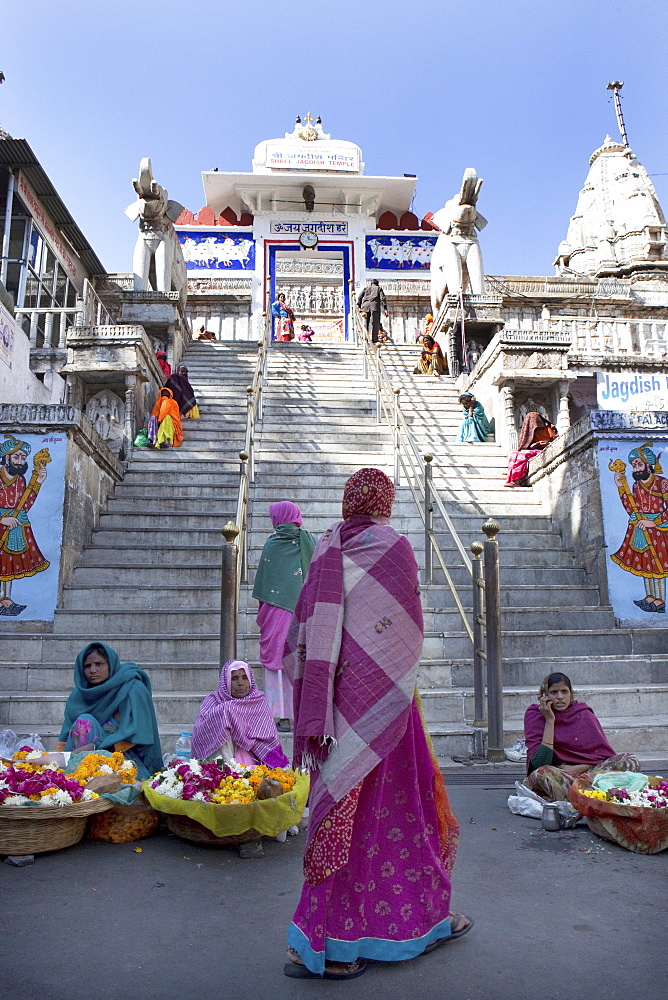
234 722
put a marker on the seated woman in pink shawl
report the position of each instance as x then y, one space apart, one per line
536 434
564 739
281 571
235 722
382 838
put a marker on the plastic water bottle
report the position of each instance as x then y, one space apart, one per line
183 749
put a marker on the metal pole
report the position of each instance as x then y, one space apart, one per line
9 206
250 424
397 474
228 594
479 714
428 511
378 402
243 480
615 87
493 629
260 377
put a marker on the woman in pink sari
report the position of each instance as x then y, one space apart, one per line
281 571
382 838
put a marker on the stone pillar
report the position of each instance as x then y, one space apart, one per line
563 416
75 391
508 393
130 405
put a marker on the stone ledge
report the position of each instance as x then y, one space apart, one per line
43 418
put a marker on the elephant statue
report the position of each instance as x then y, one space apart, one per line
157 237
457 261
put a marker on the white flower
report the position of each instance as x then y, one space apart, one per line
199 797
87 796
105 769
16 800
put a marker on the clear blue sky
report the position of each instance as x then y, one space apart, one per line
515 89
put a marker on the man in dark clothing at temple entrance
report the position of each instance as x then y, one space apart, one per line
370 302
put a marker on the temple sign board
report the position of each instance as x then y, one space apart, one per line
630 390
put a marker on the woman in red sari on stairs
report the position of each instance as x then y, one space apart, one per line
382 838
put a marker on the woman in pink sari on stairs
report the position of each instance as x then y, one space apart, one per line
382 838
281 571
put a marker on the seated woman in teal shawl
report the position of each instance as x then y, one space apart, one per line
111 708
475 425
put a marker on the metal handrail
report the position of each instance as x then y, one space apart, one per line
254 410
416 467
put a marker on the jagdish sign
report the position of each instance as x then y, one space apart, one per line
311 158
632 390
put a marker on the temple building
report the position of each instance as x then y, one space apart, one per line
308 222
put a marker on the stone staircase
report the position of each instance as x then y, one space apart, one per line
149 582
552 618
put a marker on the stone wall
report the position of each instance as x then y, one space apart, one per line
569 477
566 478
18 384
91 472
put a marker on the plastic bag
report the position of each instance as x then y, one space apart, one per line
141 440
527 803
10 743
8 740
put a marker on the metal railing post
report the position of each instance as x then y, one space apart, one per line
379 404
242 516
493 631
479 655
250 424
229 604
397 475
428 512
260 377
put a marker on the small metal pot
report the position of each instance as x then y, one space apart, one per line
550 818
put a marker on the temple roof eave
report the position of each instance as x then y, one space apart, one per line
353 194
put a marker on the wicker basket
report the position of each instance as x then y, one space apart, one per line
190 829
32 830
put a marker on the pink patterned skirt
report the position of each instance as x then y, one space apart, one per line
391 897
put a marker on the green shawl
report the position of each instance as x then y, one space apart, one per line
284 563
127 691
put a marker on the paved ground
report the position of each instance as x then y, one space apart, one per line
557 915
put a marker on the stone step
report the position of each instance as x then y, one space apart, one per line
208 504
112 572
457 704
146 555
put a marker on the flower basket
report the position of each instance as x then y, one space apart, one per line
231 823
643 830
124 824
35 829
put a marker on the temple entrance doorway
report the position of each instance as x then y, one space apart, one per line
316 287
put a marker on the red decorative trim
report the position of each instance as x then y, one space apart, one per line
205 217
409 221
388 220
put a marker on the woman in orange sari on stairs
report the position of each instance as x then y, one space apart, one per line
164 426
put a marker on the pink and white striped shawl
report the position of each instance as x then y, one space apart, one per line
352 654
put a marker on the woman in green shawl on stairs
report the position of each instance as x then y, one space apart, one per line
111 708
283 566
